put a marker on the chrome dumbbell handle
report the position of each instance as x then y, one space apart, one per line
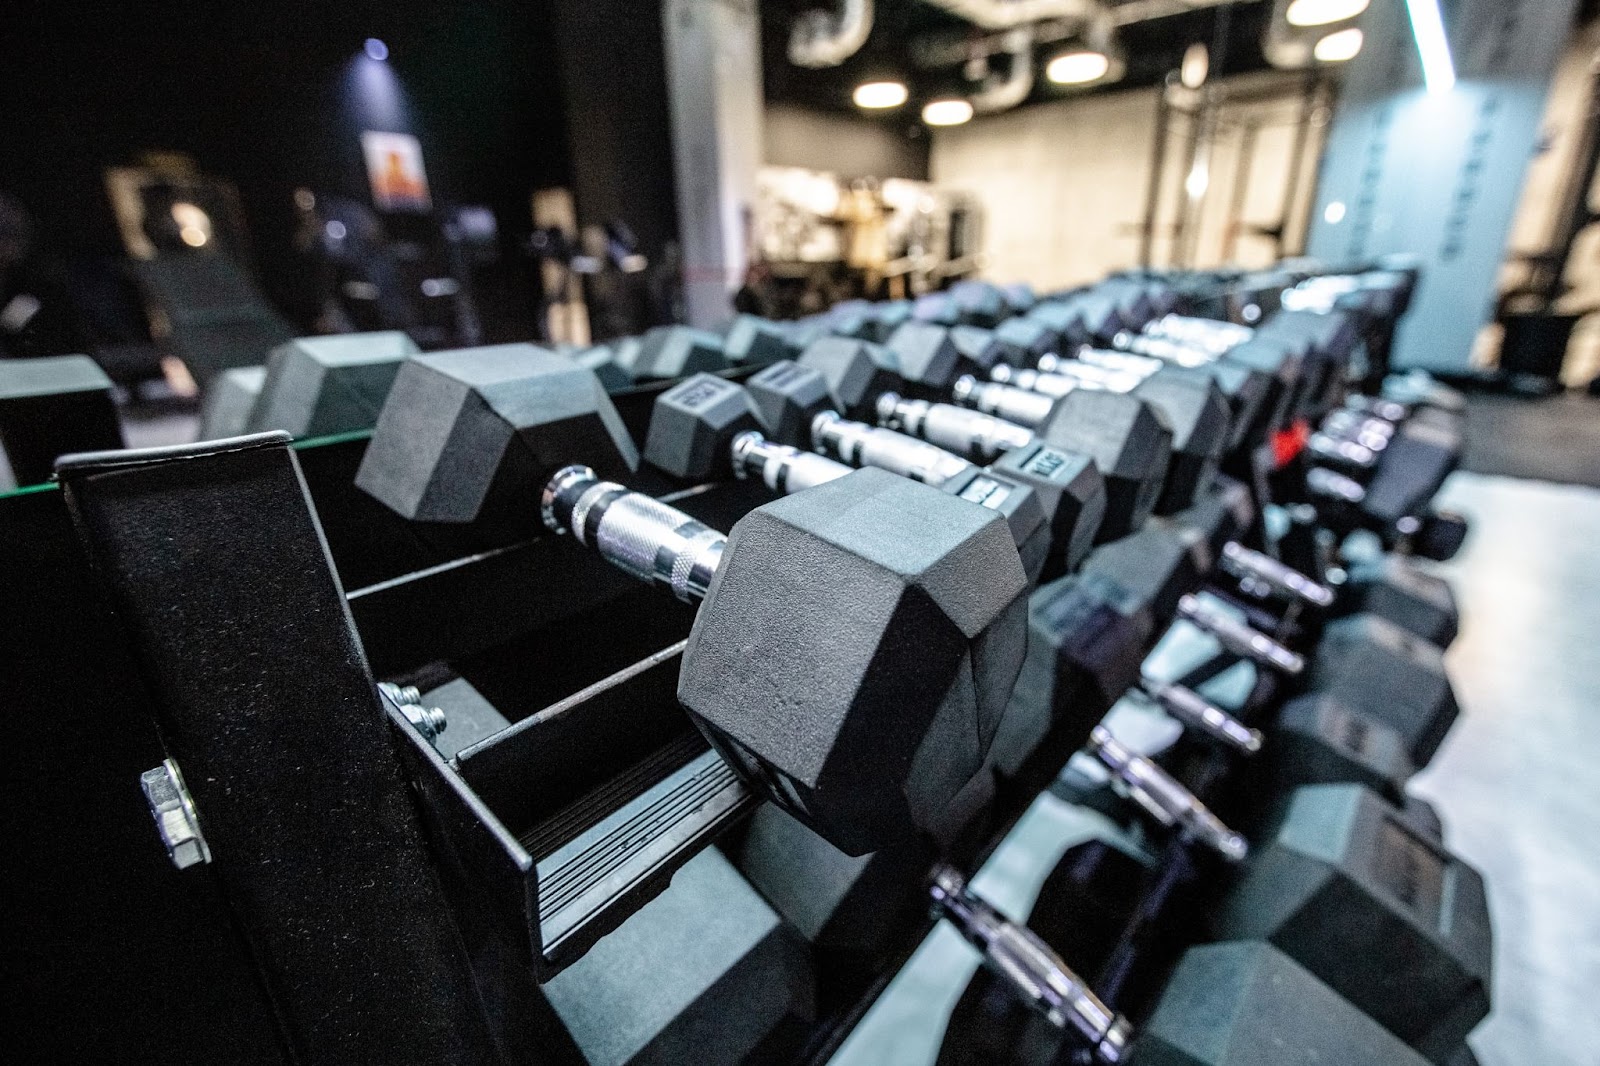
1240 638
1089 375
783 468
1197 714
635 533
1286 581
862 445
978 436
1348 452
1122 362
1165 349
1159 794
1333 485
1054 386
1019 406
1030 969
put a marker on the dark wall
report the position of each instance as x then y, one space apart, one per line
846 145
259 94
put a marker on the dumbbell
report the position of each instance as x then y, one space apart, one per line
1374 906
1189 403
849 378
707 428
842 667
316 386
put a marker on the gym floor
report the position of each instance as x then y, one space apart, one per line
1517 781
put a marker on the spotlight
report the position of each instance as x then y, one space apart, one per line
1196 66
1322 12
376 50
1078 67
876 95
1338 47
946 112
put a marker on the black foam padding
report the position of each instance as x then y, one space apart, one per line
476 432
836 902
1395 588
1376 908
857 373
316 386
668 352
1319 740
1014 501
1024 340
692 427
1397 677
52 406
225 411
787 397
219 572
705 972
1131 442
752 341
927 359
1248 1004
1072 492
1158 564
1412 469
1201 424
977 347
601 360
855 652
1086 640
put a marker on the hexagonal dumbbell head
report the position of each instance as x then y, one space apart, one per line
888 317
1157 564
851 318
751 341
600 360
1024 340
668 352
1198 414
927 359
1087 637
1395 588
476 432
979 302
1400 679
229 400
1063 318
1019 297
1128 439
1072 493
857 373
936 307
693 425
787 397
979 348
321 385
856 650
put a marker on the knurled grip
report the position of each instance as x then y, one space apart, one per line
1286 581
784 469
1167 801
1198 714
973 434
1239 638
862 445
1030 969
635 533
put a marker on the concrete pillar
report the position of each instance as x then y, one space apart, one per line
713 50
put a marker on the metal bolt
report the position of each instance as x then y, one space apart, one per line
429 721
174 814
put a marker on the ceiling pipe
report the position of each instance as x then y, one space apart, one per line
1002 94
1010 14
821 38
933 51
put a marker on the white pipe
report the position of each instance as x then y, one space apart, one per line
1009 14
826 39
1002 94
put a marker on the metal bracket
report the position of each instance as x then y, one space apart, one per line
174 814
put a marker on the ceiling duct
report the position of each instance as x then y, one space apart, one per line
821 38
1010 14
935 50
1004 93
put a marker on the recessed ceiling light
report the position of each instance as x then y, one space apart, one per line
1322 12
1196 66
1338 47
946 112
875 95
1078 68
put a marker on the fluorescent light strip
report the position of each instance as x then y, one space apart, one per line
1427 26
